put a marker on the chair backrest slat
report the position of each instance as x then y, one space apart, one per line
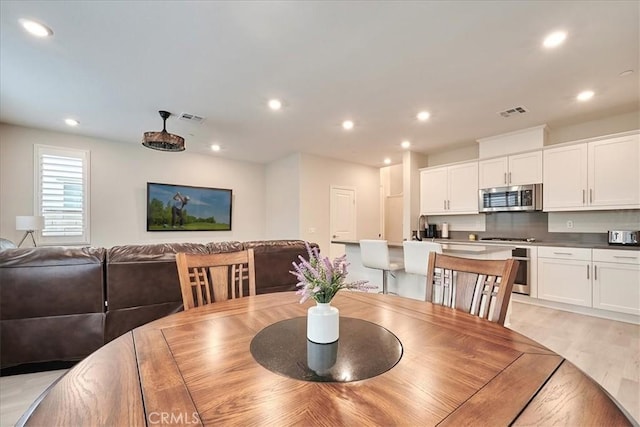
206 278
479 287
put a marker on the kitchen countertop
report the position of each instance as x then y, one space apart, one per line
450 247
539 243
488 245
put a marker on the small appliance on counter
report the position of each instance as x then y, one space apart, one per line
431 231
624 237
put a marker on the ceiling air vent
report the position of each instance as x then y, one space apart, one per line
191 118
515 111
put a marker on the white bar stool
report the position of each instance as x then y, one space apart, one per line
375 254
416 255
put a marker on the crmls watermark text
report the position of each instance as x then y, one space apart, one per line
173 418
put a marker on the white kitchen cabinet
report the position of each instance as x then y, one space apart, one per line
564 275
517 169
595 175
614 177
434 191
616 280
449 190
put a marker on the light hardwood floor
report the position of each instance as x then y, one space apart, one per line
606 350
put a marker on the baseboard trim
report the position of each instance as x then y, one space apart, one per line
587 311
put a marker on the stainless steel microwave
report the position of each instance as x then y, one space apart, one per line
514 198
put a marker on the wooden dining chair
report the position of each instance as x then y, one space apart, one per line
479 287
207 278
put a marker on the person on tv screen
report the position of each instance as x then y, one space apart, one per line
177 210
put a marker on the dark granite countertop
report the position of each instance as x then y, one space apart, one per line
540 243
503 243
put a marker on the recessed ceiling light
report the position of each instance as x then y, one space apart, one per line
423 116
554 39
215 147
626 73
72 122
275 104
35 28
387 161
347 125
405 144
585 95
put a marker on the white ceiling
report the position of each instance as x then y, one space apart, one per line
114 64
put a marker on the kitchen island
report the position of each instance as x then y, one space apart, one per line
412 285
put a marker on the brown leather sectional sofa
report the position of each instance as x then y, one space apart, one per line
63 303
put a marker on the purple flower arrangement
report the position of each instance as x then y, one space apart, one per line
321 279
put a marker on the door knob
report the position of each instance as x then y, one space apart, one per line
334 236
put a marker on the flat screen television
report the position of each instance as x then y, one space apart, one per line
173 207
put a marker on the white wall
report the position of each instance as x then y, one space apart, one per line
317 175
283 198
460 154
119 174
602 126
411 162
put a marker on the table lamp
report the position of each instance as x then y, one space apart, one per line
29 224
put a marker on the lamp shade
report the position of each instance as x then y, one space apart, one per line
29 223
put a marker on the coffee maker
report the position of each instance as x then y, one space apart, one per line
425 230
431 231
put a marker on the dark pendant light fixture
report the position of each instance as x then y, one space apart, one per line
163 141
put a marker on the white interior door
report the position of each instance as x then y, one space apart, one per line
343 218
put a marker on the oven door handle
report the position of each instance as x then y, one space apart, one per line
521 258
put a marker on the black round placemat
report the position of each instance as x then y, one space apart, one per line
364 350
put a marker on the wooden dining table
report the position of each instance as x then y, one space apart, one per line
196 368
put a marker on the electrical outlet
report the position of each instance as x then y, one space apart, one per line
569 224
312 230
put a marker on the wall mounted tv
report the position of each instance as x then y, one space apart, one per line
173 207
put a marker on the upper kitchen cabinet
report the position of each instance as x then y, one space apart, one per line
517 169
449 190
593 175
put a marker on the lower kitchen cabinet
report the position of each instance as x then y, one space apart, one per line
616 280
564 275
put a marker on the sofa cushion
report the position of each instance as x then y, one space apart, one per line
123 320
140 275
46 339
51 281
222 247
273 260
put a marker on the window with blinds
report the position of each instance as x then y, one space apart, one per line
62 194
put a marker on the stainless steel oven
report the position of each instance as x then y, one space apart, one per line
522 284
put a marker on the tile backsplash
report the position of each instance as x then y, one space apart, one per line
526 225
587 227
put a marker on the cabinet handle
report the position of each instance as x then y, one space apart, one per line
583 199
449 204
562 253
625 257
590 195
595 272
445 204
505 177
587 271
509 177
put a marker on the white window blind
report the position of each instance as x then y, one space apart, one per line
62 194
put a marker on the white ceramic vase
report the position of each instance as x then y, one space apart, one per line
323 323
